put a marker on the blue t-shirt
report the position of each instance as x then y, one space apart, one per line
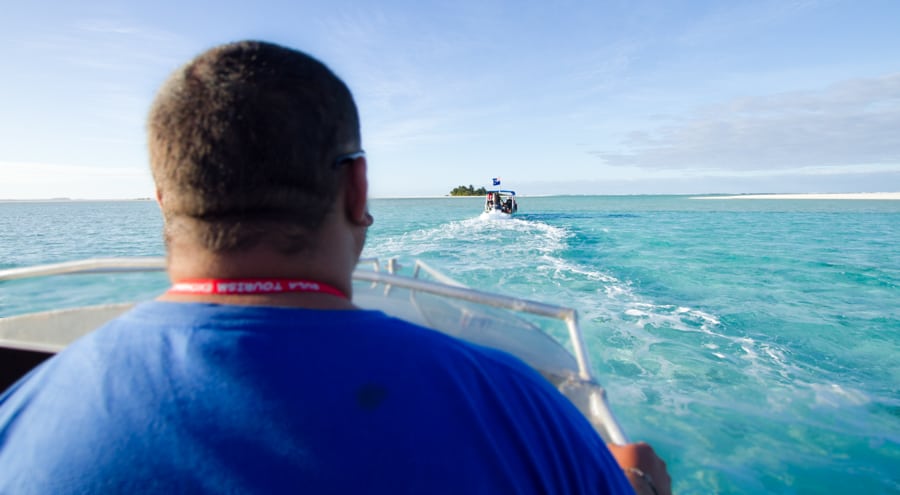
174 397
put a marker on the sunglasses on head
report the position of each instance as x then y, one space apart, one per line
349 157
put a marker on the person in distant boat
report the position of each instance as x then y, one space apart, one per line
255 372
507 206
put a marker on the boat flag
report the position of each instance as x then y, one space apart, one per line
496 181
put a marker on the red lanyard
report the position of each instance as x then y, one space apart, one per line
229 286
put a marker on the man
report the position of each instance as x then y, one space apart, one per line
255 372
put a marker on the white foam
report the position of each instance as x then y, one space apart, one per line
494 215
834 395
605 302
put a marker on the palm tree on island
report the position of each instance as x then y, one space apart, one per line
468 191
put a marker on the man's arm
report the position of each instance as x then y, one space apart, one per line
644 469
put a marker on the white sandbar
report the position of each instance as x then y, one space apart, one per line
879 195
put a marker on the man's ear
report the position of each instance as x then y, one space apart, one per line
356 194
159 197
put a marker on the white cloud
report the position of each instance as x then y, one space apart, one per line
853 123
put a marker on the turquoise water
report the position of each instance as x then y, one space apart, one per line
754 343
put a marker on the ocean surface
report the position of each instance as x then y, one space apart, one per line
754 343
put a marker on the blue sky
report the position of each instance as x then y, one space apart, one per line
554 97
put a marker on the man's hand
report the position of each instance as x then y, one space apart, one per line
644 469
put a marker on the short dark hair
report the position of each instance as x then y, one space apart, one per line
242 140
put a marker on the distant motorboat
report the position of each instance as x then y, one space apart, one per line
502 201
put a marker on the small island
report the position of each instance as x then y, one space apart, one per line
468 191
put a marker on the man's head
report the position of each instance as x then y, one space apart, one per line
243 142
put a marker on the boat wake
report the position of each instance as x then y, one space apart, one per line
495 215
631 335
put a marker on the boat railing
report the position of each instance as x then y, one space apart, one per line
443 286
447 287
93 265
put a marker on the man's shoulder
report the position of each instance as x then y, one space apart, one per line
457 350
162 338
373 329
477 400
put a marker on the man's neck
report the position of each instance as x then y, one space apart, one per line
332 269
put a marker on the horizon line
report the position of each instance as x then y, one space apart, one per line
707 195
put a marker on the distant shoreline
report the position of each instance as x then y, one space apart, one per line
71 200
875 196
839 196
